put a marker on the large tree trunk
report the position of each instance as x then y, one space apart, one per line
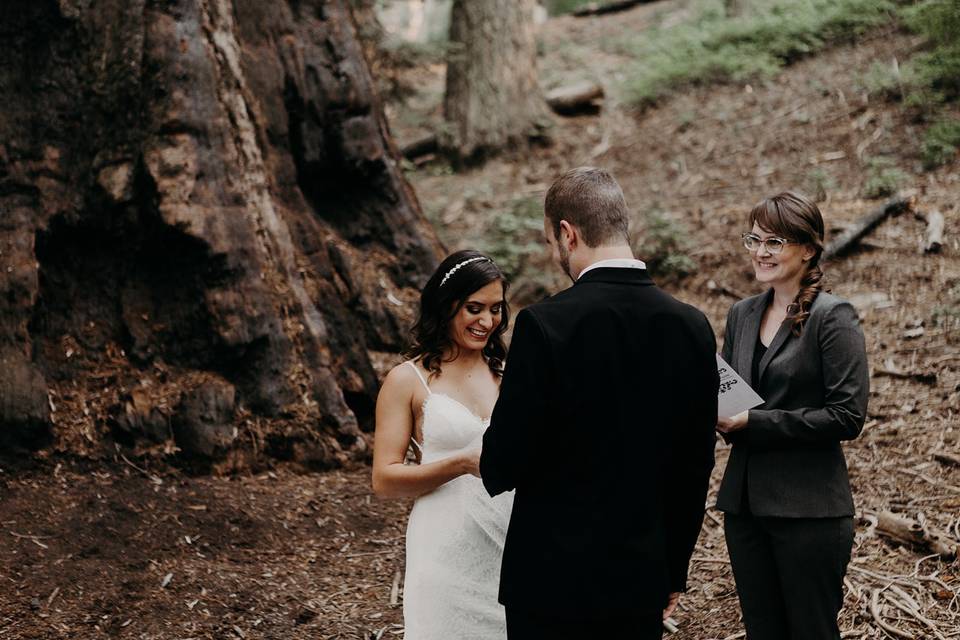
204 231
492 98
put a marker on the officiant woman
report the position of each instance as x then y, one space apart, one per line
785 492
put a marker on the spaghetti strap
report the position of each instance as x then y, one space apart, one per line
416 370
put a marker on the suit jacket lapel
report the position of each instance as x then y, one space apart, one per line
747 339
778 340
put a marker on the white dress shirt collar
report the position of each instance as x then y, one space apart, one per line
617 263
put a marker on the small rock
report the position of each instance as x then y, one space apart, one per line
915 332
203 424
24 401
140 416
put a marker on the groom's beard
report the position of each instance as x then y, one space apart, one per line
565 262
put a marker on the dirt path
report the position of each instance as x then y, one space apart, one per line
110 552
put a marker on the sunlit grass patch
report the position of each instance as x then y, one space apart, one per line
712 47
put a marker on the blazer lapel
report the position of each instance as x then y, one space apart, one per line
747 339
778 340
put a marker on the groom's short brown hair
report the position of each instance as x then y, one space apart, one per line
590 199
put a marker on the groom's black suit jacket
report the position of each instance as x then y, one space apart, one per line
605 428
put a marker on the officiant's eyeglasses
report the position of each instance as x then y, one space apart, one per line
773 244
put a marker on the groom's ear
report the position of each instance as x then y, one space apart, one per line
569 235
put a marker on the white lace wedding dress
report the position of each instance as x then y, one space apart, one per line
454 538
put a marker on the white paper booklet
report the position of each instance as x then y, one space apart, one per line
735 394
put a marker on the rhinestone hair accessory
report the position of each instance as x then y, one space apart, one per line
457 266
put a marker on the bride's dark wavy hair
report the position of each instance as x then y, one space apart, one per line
798 219
458 276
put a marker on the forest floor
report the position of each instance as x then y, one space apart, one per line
123 549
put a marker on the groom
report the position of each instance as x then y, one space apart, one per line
605 428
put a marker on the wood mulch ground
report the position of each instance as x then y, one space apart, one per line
131 549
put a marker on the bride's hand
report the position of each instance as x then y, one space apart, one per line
471 463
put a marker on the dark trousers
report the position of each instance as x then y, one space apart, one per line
789 574
524 625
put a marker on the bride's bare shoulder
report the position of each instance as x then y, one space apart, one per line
405 377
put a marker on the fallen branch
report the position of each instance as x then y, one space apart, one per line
717 287
865 225
883 624
924 378
34 539
420 147
908 530
583 97
929 480
597 8
395 589
911 609
154 479
947 458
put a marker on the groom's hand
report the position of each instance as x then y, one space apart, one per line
671 605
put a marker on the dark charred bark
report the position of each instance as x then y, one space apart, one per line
200 206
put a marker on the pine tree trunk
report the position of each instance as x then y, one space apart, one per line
492 98
733 8
205 234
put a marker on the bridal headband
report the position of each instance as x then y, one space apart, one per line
457 266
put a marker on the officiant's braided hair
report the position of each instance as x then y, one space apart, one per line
458 276
798 219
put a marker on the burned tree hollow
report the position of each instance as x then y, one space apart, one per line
206 237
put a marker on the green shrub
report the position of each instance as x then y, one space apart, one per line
818 182
883 178
938 70
514 239
665 247
514 235
947 315
770 34
884 80
940 143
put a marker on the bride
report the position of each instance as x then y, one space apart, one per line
440 402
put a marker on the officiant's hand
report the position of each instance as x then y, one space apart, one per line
671 605
736 423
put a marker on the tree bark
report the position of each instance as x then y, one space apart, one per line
203 225
492 99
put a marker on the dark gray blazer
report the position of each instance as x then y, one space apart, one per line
815 388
